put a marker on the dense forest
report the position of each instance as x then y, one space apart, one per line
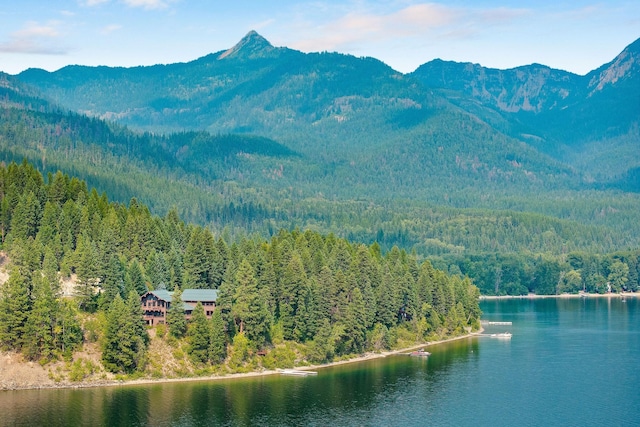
212 180
390 159
299 296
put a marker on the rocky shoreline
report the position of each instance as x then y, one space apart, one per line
17 375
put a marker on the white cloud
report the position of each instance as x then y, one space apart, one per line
146 4
363 25
110 29
91 3
35 38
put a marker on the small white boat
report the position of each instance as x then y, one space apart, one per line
297 372
420 353
504 335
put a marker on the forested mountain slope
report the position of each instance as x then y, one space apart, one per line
298 297
253 184
354 115
451 160
590 121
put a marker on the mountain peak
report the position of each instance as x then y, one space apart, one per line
623 66
251 46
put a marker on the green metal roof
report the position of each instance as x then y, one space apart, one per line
188 295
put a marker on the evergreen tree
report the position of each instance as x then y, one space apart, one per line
292 284
218 342
39 333
199 335
322 348
26 217
175 315
112 282
48 230
226 295
158 269
85 256
134 279
15 305
198 260
50 271
125 338
249 309
174 259
354 327
67 330
387 301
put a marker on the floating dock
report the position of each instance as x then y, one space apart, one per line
486 322
297 372
504 335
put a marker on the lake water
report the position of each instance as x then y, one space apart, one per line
571 362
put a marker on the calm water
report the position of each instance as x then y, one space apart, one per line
570 363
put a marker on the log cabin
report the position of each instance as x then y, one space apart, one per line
155 304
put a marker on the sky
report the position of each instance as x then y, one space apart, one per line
573 35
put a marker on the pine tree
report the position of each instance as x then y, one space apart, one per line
387 301
198 260
175 315
158 269
322 348
134 279
67 330
39 333
112 282
174 260
48 230
85 256
218 342
26 217
249 309
226 294
292 283
50 271
199 335
355 330
125 338
15 305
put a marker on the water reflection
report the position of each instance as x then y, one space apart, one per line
564 358
342 392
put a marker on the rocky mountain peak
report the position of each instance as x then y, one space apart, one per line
626 64
251 46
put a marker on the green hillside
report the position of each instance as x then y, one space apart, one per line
258 138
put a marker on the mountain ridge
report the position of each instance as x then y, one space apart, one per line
320 103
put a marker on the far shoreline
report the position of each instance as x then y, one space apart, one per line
233 376
562 296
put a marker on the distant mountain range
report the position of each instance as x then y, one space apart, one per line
328 101
584 120
311 139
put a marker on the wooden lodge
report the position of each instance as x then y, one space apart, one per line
155 304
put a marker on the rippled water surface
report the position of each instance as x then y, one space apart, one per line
570 362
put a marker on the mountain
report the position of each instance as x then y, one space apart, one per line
591 122
362 122
452 158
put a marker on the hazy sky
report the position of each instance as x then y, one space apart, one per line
573 35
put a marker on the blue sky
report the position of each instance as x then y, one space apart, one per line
573 35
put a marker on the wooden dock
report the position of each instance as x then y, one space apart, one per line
503 335
486 322
297 372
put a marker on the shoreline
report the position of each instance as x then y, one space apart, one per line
233 376
579 295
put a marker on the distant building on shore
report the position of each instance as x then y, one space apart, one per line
155 304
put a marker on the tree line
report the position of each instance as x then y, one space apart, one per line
574 272
327 294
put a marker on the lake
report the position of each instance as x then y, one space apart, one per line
570 362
